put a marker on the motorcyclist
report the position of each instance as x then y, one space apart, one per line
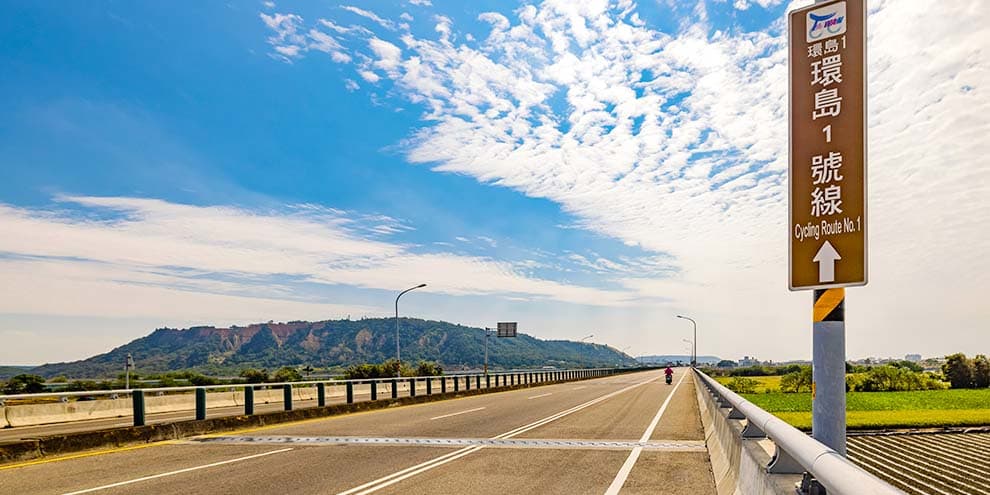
670 374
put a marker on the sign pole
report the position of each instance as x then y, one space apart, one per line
827 188
828 409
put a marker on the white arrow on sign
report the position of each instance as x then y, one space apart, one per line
826 257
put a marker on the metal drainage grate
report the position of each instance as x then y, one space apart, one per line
678 446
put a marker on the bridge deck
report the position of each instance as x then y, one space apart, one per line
582 437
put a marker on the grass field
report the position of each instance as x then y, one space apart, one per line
873 410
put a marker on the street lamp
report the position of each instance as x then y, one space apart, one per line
586 338
398 356
694 343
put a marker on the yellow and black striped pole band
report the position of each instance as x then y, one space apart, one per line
830 305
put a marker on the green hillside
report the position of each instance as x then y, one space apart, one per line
329 345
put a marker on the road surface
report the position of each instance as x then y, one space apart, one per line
628 433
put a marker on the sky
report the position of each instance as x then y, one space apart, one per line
583 168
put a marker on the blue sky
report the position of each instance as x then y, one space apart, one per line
582 167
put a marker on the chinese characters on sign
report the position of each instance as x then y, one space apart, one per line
828 145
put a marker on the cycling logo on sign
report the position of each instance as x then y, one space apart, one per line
826 22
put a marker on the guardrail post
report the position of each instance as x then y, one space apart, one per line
249 400
137 404
488 381
395 388
467 383
783 463
443 384
350 392
752 431
412 387
287 396
429 386
374 390
321 395
200 404
457 384
477 381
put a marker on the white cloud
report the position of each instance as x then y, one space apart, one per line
151 258
676 142
422 3
367 14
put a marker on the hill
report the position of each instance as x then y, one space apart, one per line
331 344
675 358
9 371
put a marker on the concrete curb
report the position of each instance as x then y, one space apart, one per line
35 448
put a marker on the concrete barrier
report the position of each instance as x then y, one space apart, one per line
23 450
739 464
73 410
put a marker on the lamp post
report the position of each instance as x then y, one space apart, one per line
586 338
488 334
398 356
694 343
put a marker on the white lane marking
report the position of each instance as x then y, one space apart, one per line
373 486
171 473
620 477
457 413
538 396
579 388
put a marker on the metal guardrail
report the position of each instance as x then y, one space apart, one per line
457 381
795 451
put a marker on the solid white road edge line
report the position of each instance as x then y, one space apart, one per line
538 396
171 473
620 477
457 413
373 486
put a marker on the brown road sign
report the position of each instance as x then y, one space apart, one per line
827 145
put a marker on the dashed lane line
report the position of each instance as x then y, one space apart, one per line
456 413
538 396
180 471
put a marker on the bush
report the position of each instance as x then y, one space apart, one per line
252 375
428 368
287 374
742 385
892 379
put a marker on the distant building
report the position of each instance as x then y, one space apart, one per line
914 358
749 361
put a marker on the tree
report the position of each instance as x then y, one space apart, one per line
252 375
958 370
725 363
981 371
797 381
25 384
287 374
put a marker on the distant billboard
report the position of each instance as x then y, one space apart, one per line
507 329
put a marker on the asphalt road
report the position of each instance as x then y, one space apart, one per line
628 433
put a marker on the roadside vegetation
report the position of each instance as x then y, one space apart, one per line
893 395
31 384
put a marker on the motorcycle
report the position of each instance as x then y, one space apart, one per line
670 379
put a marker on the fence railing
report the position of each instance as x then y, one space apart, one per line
428 385
795 451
